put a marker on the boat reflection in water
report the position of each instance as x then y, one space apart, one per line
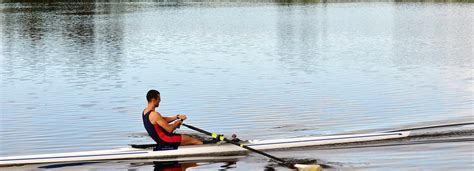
181 164
157 165
224 162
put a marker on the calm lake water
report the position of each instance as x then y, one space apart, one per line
74 76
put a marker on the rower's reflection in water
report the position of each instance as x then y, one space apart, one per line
179 166
172 166
228 165
269 168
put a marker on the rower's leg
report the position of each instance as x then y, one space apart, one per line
187 140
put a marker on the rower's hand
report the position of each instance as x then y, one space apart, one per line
182 116
179 122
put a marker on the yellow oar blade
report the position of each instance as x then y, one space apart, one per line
308 167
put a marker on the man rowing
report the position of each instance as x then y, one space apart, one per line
161 128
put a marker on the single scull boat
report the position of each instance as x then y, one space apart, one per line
195 150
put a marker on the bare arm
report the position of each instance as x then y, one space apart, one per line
170 118
156 118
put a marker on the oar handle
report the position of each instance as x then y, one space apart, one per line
222 138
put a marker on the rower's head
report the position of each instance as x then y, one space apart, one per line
153 97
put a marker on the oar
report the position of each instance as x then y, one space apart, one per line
302 167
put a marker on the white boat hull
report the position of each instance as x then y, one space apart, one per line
196 150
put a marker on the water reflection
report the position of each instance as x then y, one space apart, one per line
89 45
63 165
232 1
450 48
45 52
302 38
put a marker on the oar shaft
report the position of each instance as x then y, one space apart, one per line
222 138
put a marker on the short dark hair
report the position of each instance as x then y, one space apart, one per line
152 94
